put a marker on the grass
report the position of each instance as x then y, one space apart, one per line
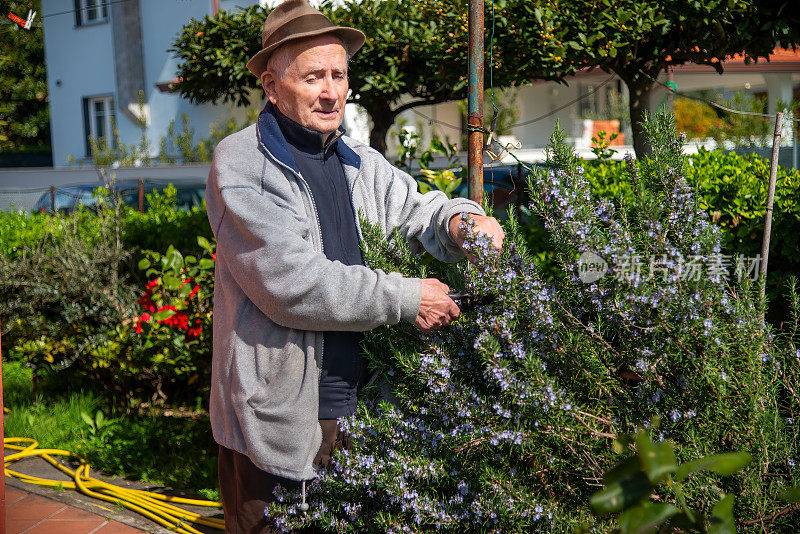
171 451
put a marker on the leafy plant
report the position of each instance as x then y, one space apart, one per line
650 467
175 327
441 179
97 424
600 145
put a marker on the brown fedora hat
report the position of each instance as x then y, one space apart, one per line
296 19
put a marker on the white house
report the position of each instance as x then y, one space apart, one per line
100 54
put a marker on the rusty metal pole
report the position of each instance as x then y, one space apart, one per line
773 175
141 195
52 199
475 101
2 433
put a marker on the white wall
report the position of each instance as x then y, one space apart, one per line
161 22
82 60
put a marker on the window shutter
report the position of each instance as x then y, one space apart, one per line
78 15
86 128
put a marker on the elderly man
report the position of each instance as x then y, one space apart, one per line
292 293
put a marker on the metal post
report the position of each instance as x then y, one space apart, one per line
773 174
141 195
52 199
475 101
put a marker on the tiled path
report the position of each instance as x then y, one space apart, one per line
33 514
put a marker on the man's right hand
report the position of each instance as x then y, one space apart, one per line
436 309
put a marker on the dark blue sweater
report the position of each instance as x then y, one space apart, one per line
343 365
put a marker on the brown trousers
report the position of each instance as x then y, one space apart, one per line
247 490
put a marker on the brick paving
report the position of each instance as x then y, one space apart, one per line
34 514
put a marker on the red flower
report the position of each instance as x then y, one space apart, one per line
214 256
146 302
194 333
178 320
149 286
144 318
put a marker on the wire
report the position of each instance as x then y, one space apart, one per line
431 120
711 103
536 119
101 4
568 104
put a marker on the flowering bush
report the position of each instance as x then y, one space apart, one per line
174 328
505 420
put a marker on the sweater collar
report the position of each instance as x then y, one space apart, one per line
273 139
305 139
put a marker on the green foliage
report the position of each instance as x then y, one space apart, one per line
650 468
214 52
600 145
24 113
64 290
70 285
163 225
176 450
172 448
174 330
442 179
733 190
179 146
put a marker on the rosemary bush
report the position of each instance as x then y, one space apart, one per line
505 420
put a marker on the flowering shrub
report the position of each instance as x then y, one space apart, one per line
174 329
504 421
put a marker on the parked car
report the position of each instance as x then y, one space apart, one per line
69 198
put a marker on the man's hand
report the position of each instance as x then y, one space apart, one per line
483 224
436 309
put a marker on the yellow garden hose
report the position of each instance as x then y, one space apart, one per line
151 505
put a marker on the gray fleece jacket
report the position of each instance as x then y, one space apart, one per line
275 291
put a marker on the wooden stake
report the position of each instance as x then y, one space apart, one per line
773 175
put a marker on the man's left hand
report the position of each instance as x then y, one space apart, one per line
483 224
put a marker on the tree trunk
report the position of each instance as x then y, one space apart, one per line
382 119
639 88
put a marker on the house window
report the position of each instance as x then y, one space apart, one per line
90 12
98 119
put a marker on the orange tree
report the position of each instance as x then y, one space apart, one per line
639 39
409 59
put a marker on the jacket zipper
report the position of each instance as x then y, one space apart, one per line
319 230
322 249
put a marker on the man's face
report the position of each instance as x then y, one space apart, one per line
312 90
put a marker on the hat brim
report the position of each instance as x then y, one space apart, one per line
353 40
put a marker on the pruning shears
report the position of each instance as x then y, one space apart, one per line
467 301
